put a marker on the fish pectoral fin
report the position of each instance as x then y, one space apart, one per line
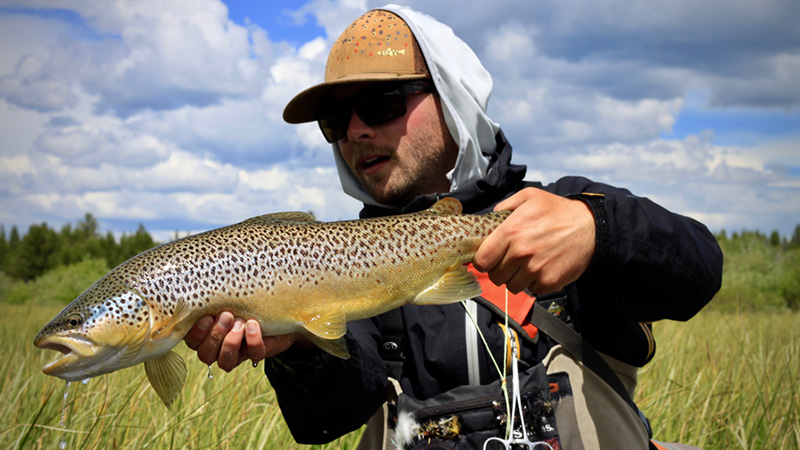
167 374
329 325
179 314
455 285
133 348
336 347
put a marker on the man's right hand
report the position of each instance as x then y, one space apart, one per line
229 341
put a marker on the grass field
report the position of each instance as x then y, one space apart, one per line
720 381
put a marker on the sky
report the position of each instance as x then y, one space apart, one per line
168 114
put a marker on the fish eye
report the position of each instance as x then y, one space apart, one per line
74 321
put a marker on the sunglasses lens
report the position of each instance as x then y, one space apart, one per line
381 108
334 127
373 108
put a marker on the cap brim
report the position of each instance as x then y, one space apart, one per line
305 105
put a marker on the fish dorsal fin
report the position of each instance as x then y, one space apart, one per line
455 285
167 374
447 205
295 217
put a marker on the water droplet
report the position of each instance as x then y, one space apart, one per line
255 364
210 375
86 381
63 443
64 405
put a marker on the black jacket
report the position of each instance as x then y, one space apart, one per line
650 264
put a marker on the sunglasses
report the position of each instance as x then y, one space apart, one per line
374 106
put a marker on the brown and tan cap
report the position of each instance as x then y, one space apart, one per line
377 46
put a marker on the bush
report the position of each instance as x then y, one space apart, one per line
60 285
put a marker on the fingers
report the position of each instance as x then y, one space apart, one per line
546 243
209 349
231 346
256 344
198 332
230 340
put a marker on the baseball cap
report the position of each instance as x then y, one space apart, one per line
376 47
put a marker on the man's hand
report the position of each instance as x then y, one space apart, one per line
230 340
545 244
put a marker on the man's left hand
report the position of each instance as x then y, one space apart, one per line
545 244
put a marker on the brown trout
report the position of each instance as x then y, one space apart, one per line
286 270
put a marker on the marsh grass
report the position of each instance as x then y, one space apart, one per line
121 411
726 381
720 381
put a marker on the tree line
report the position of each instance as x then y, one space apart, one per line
42 248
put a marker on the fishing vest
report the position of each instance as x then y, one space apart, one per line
529 319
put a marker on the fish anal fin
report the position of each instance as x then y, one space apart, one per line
167 375
336 347
328 325
455 285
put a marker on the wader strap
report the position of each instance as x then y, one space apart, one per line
583 352
391 349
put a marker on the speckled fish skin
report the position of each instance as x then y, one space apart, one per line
285 270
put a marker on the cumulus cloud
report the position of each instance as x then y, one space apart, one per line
144 55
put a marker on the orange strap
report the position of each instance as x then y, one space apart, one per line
519 305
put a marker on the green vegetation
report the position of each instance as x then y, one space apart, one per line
232 411
43 249
719 381
725 381
759 272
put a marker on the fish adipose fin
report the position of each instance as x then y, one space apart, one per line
455 285
167 374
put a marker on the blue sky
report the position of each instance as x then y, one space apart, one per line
169 113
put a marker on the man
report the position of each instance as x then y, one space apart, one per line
404 107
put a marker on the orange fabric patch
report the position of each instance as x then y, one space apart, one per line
519 305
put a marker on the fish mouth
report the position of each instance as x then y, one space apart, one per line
73 352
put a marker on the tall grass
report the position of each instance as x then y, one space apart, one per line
720 381
121 411
726 381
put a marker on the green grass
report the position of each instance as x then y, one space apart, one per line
720 381
726 381
121 411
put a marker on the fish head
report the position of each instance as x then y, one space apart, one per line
102 330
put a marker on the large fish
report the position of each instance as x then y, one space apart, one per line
286 270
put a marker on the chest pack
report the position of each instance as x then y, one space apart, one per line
469 416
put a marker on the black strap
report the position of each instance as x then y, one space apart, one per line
583 352
391 349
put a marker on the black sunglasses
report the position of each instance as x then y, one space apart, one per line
374 106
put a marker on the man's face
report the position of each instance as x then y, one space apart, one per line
403 158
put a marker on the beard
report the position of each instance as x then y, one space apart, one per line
419 167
